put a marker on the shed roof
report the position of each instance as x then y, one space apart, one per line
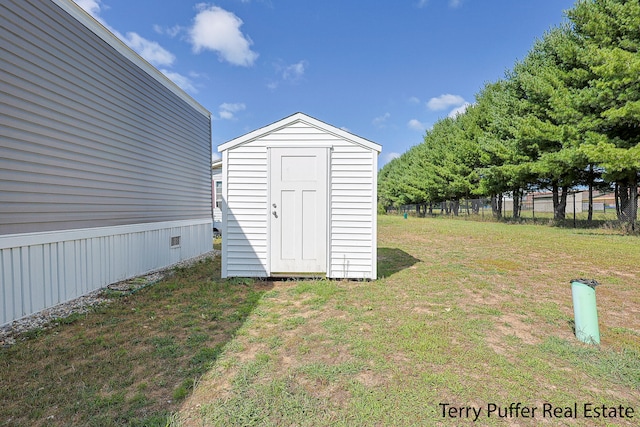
298 118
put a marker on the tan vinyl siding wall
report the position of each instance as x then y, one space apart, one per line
89 138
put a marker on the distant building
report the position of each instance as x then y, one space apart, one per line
543 202
216 195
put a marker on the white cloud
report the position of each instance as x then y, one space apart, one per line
170 31
183 82
445 101
417 125
294 72
92 7
459 110
380 121
291 73
174 31
387 157
227 111
452 3
196 75
149 50
414 100
218 30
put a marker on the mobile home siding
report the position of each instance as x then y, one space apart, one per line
351 192
102 160
86 140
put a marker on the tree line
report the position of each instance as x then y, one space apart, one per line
566 116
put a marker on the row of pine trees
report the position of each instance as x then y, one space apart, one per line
566 116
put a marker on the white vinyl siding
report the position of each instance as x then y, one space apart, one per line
90 139
351 192
352 222
245 229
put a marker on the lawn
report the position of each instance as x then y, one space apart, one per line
466 317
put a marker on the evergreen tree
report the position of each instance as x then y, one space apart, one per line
609 31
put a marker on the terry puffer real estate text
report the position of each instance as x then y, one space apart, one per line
547 410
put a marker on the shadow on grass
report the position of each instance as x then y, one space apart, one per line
130 362
393 260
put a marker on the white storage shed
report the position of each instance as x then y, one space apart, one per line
299 199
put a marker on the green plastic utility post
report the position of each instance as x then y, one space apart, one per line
585 311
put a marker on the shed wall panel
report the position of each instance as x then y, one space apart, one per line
246 222
352 221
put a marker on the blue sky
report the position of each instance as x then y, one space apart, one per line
385 70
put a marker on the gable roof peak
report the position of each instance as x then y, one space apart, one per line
297 118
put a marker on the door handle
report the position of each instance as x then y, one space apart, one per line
275 214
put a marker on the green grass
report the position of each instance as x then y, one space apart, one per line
464 312
467 313
131 362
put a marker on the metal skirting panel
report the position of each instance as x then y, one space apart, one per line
37 276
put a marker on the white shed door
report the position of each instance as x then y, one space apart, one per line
298 210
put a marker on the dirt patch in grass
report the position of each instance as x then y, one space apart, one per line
510 327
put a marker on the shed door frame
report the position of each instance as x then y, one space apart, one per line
322 245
